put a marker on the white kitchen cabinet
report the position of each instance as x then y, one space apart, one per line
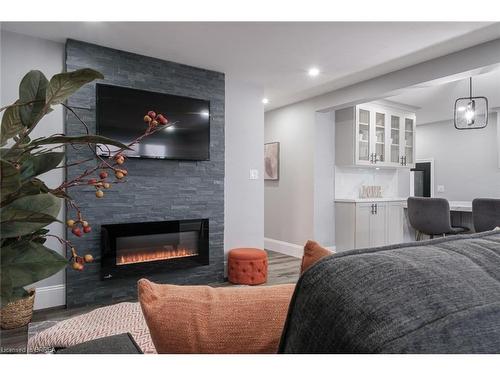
378 134
361 223
395 222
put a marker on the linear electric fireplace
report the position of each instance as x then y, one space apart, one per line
138 249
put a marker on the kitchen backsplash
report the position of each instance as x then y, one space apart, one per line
348 181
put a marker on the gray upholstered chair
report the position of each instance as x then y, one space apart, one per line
485 214
431 216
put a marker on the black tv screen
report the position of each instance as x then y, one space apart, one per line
120 113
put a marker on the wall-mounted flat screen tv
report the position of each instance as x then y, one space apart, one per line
120 113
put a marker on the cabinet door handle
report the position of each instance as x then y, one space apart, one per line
402 160
373 209
405 160
376 208
375 158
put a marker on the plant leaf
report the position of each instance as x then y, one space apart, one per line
11 124
94 139
9 215
39 164
63 85
33 186
26 262
32 88
45 204
10 179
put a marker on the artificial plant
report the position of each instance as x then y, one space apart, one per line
27 204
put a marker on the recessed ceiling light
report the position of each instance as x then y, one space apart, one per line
313 72
265 100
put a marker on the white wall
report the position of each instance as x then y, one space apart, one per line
324 178
299 206
21 54
244 144
465 161
289 207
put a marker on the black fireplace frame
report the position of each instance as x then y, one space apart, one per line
110 232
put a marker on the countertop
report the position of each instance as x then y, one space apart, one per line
461 206
364 200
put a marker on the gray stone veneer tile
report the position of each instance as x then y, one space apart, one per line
155 189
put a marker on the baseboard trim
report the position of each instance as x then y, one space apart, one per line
288 248
50 296
283 247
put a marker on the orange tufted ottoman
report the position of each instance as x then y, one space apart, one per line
247 266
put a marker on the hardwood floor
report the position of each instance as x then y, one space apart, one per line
283 269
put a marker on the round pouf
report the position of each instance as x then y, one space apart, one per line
247 266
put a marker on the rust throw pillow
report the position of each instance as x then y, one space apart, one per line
202 319
312 253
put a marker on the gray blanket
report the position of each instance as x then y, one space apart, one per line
438 296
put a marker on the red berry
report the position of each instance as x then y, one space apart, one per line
77 232
92 181
103 175
87 229
120 159
152 114
163 120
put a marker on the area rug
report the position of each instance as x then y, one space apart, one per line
105 321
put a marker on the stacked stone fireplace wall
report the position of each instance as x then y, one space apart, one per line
156 190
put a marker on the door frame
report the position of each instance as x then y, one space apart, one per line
412 185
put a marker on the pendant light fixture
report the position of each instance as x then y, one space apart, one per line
471 112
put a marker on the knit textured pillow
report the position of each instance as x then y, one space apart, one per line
312 253
202 319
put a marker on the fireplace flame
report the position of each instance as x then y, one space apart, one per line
141 256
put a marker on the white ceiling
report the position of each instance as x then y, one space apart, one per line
277 55
436 103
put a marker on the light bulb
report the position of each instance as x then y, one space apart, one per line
470 112
313 72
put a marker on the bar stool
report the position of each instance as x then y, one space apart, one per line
431 216
485 214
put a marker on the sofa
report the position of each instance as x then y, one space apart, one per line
437 296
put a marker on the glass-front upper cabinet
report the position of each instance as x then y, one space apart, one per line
364 135
409 151
380 136
384 135
394 140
